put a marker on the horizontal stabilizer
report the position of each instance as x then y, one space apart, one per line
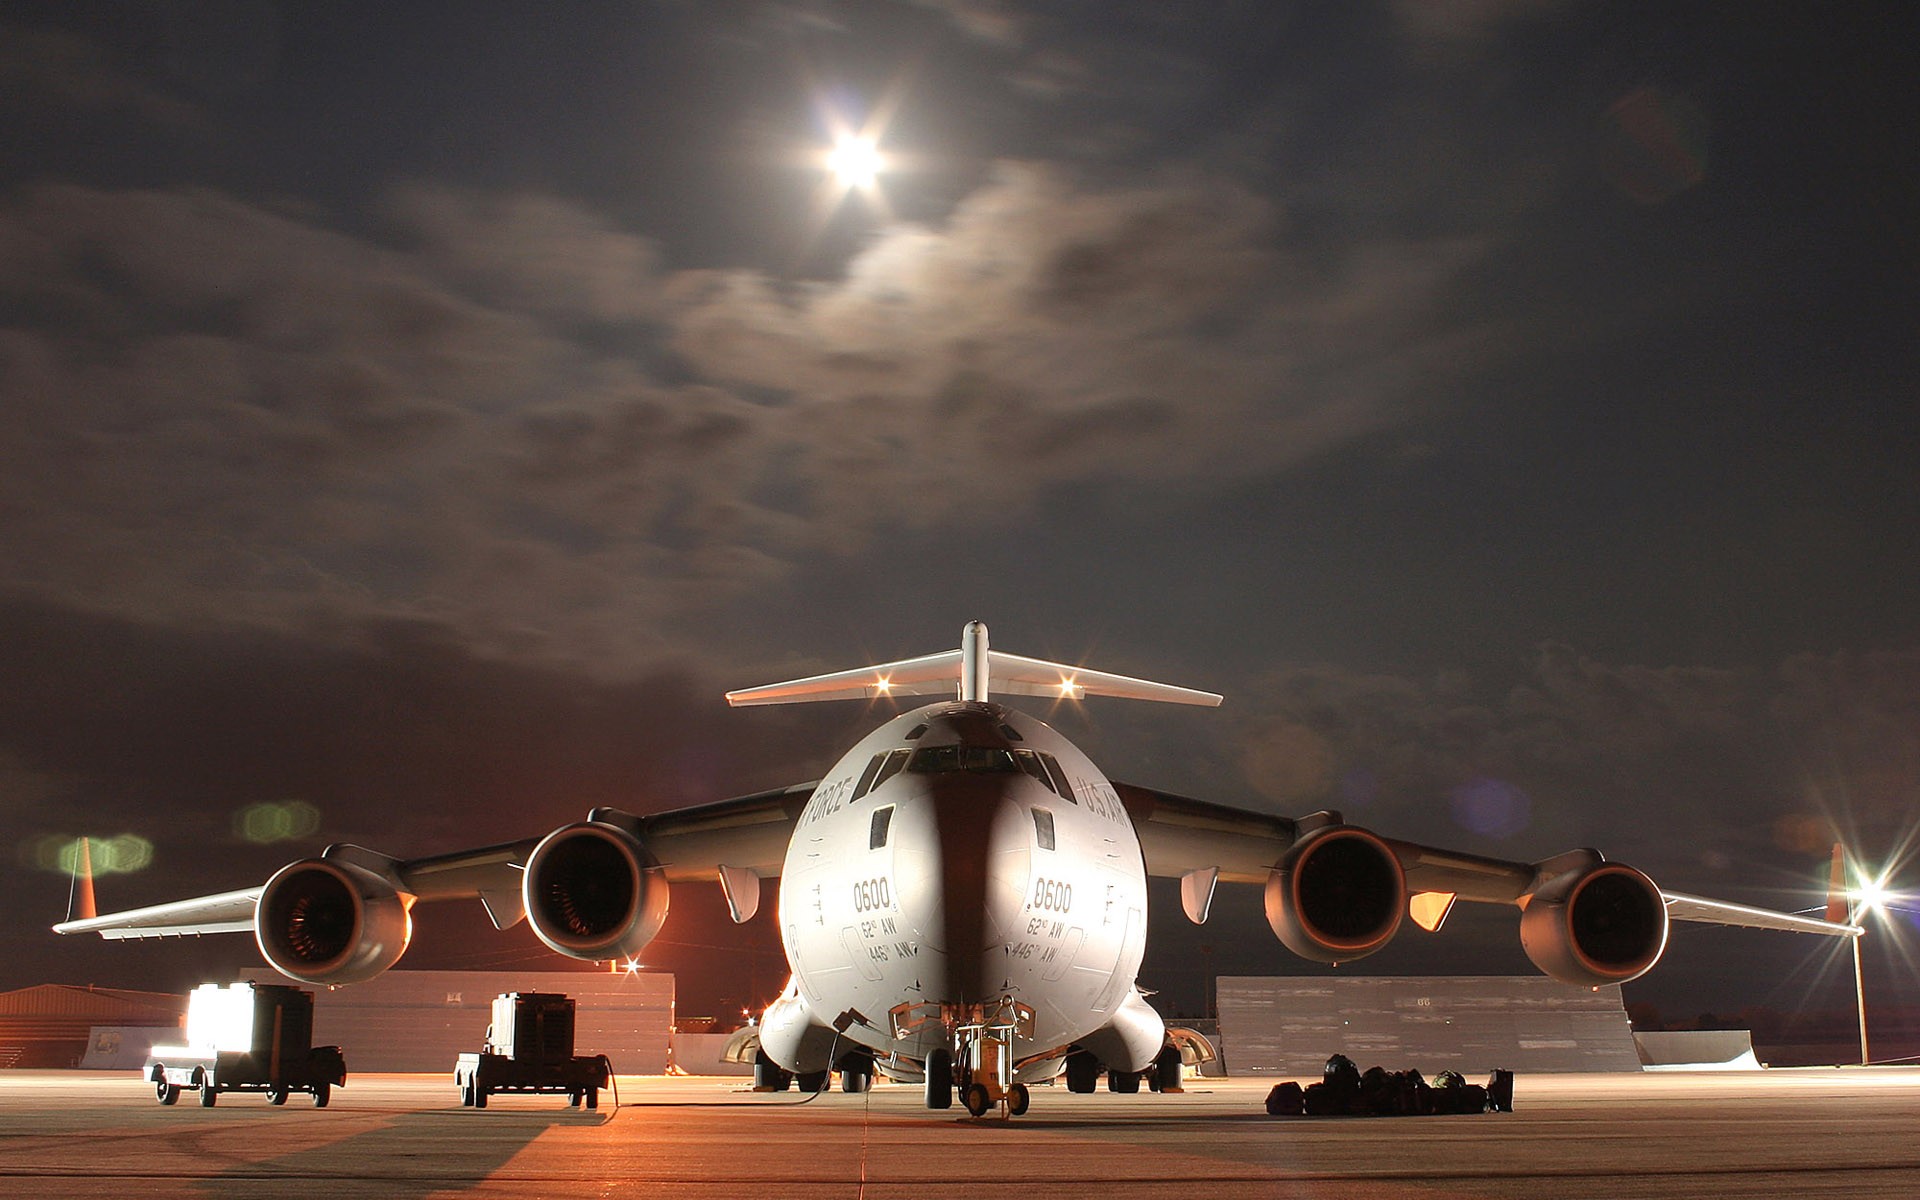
944 674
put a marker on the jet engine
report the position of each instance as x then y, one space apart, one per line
321 921
591 893
1338 894
1603 924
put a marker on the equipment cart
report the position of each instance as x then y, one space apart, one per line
254 1037
529 1048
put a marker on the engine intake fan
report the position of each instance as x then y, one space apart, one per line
1338 894
591 892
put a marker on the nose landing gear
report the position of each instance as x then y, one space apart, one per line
986 1053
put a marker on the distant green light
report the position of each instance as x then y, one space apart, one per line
276 821
122 855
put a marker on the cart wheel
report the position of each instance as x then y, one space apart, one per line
593 1098
977 1099
276 1096
479 1096
466 1095
322 1092
573 1098
166 1093
1017 1100
207 1093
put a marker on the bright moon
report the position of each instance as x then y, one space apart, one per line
855 162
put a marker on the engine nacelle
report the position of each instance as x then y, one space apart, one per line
1605 924
591 893
1337 895
322 921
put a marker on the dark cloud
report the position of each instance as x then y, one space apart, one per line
65 71
1577 752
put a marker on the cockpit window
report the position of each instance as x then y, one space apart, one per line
974 760
1060 783
914 734
866 777
1043 828
890 766
882 823
1031 764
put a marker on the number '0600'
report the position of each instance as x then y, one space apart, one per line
1052 895
871 894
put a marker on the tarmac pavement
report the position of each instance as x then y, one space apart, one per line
1813 1132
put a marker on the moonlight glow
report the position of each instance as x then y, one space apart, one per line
855 162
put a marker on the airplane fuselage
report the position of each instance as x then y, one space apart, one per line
962 860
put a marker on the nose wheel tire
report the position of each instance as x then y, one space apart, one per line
977 1099
940 1079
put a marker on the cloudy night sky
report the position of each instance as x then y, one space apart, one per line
417 416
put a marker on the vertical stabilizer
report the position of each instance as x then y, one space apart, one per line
1837 887
973 662
80 905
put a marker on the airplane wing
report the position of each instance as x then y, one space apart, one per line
1192 839
228 912
729 841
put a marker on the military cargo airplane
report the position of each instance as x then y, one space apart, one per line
963 896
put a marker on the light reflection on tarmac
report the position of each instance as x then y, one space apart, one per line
1816 1132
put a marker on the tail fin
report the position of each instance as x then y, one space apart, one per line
969 673
1837 887
80 906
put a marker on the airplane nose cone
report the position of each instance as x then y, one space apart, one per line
962 854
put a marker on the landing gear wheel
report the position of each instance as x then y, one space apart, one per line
940 1078
768 1075
1166 1070
276 1096
977 1099
166 1093
593 1098
207 1094
322 1092
1017 1100
813 1081
1083 1072
1124 1083
856 1074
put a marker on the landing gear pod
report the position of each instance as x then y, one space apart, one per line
1337 895
590 893
323 921
1605 924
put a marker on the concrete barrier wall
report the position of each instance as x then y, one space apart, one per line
699 1054
1700 1050
424 1020
1289 1026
